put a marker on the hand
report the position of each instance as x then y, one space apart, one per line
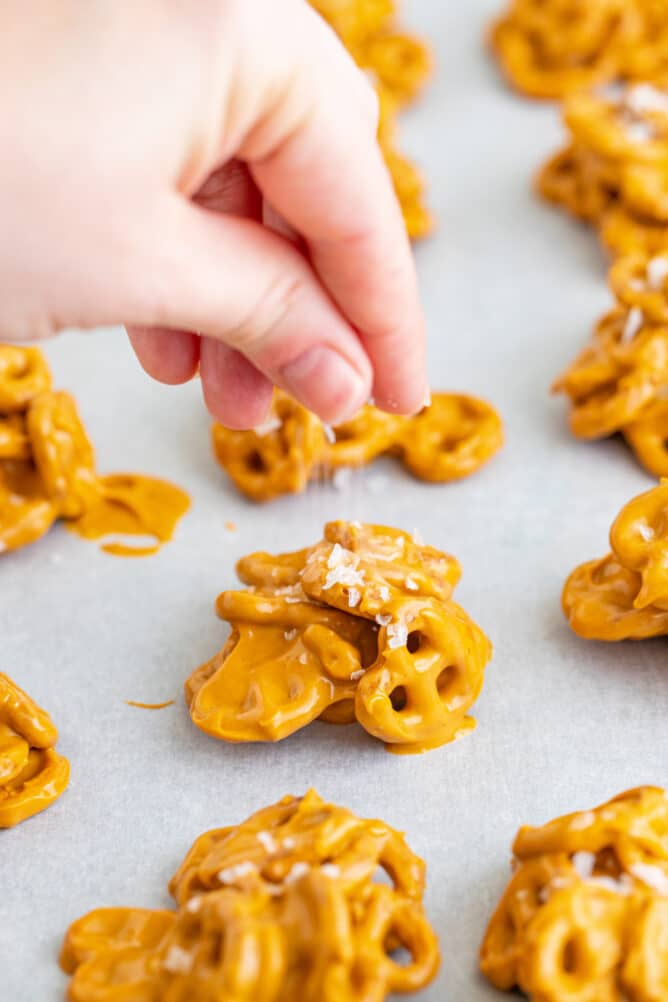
208 167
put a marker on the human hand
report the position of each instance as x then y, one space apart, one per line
207 167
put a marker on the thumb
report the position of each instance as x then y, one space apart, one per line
234 280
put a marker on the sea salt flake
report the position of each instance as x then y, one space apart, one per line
357 675
178 960
652 876
584 863
290 634
331 870
298 871
303 658
194 905
646 531
657 270
354 597
330 434
640 132
231 874
411 584
397 635
268 842
289 843
634 322
644 97
384 593
266 428
383 620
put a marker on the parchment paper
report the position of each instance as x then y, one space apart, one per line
511 290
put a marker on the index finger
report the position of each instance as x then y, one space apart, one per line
326 176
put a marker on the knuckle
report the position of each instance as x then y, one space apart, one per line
274 302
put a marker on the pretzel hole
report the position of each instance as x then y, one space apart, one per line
255 462
446 681
415 641
399 698
574 957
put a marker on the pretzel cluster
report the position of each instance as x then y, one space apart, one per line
32 773
613 173
619 383
625 594
552 48
47 467
585 916
361 627
279 908
399 66
450 439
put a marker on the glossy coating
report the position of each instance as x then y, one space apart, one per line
47 470
625 594
32 774
553 48
399 66
291 896
450 439
360 626
585 915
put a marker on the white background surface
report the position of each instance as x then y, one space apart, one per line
511 289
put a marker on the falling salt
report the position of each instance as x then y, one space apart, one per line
354 597
341 478
178 960
411 584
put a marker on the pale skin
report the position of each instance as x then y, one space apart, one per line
209 167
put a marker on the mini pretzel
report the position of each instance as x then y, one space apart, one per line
611 381
549 50
402 64
23 375
62 452
585 907
623 232
25 513
623 125
450 439
291 895
360 626
32 774
648 437
576 180
625 595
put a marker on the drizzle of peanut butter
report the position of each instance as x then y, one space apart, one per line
149 706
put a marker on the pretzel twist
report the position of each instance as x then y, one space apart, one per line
625 594
450 439
360 626
290 893
32 774
584 915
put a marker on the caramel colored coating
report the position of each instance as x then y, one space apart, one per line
23 375
399 66
648 437
290 893
641 282
32 774
450 439
611 381
579 182
585 915
625 595
360 626
47 470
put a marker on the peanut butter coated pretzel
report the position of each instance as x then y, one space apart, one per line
47 469
450 439
281 907
399 65
359 627
620 382
625 595
32 773
553 48
585 915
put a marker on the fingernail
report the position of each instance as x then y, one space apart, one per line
326 383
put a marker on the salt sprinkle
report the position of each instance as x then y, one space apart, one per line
646 531
640 132
194 905
303 658
398 635
411 584
580 821
342 566
376 484
621 886
384 593
657 270
634 322
354 597
357 675
266 428
233 873
584 863
289 843
427 398
298 871
330 434
341 478
268 842
178 960
651 875
290 634
331 870
383 620
644 97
